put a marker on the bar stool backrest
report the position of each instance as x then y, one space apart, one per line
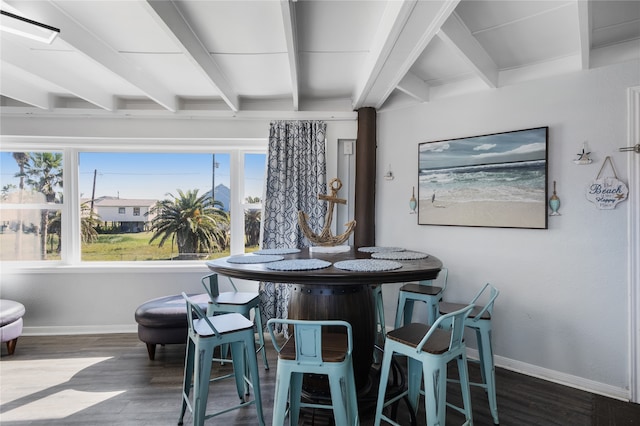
452 322
210 284
195 313
308 337
487 310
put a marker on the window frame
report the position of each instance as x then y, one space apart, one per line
71 147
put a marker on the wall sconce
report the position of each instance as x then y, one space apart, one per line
389 174
24 27
413 203
554 202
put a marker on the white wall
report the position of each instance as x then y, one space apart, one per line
562 311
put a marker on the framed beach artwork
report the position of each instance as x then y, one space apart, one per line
497 180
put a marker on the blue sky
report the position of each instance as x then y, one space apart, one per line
523 145
138 175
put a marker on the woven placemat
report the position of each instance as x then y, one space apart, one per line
367 265
298 265
379 249
248 258
277 251
400 255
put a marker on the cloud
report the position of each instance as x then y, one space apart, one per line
485 147
521 150
532 147
435 147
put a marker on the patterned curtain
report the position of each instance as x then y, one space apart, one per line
296 174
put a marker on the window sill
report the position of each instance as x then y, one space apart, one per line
107 267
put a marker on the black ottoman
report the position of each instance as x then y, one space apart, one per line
163 320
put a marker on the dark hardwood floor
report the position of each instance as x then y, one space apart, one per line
108 380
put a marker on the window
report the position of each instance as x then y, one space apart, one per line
120 202
31 207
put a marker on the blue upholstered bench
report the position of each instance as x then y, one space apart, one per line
163 320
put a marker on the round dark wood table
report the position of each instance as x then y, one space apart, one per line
333 293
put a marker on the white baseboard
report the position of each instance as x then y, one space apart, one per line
82 329
557 377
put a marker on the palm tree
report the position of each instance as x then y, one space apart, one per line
252 222
195 223
88 222
44 175
21 158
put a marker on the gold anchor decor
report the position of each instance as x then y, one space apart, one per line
325 238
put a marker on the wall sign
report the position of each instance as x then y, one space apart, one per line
607 192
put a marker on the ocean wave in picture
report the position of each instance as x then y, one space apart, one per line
521 182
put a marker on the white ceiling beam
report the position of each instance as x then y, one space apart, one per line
94 48
393 20
291 38
21 58
173 23
424 21
584 28
15 88
414 86
456 34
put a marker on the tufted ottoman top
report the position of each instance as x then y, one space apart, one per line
168 311
10 311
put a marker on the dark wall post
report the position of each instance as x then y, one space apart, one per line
365 188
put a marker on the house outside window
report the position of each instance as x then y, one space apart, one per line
118 199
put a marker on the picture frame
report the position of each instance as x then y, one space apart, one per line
495 180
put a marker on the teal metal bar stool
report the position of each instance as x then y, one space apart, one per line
425 292
428 349
319 348
480 320
204 335
235 301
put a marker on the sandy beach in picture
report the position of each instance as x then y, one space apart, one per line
483 213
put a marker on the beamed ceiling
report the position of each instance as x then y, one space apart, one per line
297 58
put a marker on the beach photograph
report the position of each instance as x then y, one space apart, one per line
497 180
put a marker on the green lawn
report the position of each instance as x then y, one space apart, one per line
108 247
132 247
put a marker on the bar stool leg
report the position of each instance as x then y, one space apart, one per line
338 399
203 357
240 367
384 377
281 395
381 322
188 376
435 393
258 321
487 367
249 347
404 310
463 373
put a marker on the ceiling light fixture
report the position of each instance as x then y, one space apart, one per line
27 28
